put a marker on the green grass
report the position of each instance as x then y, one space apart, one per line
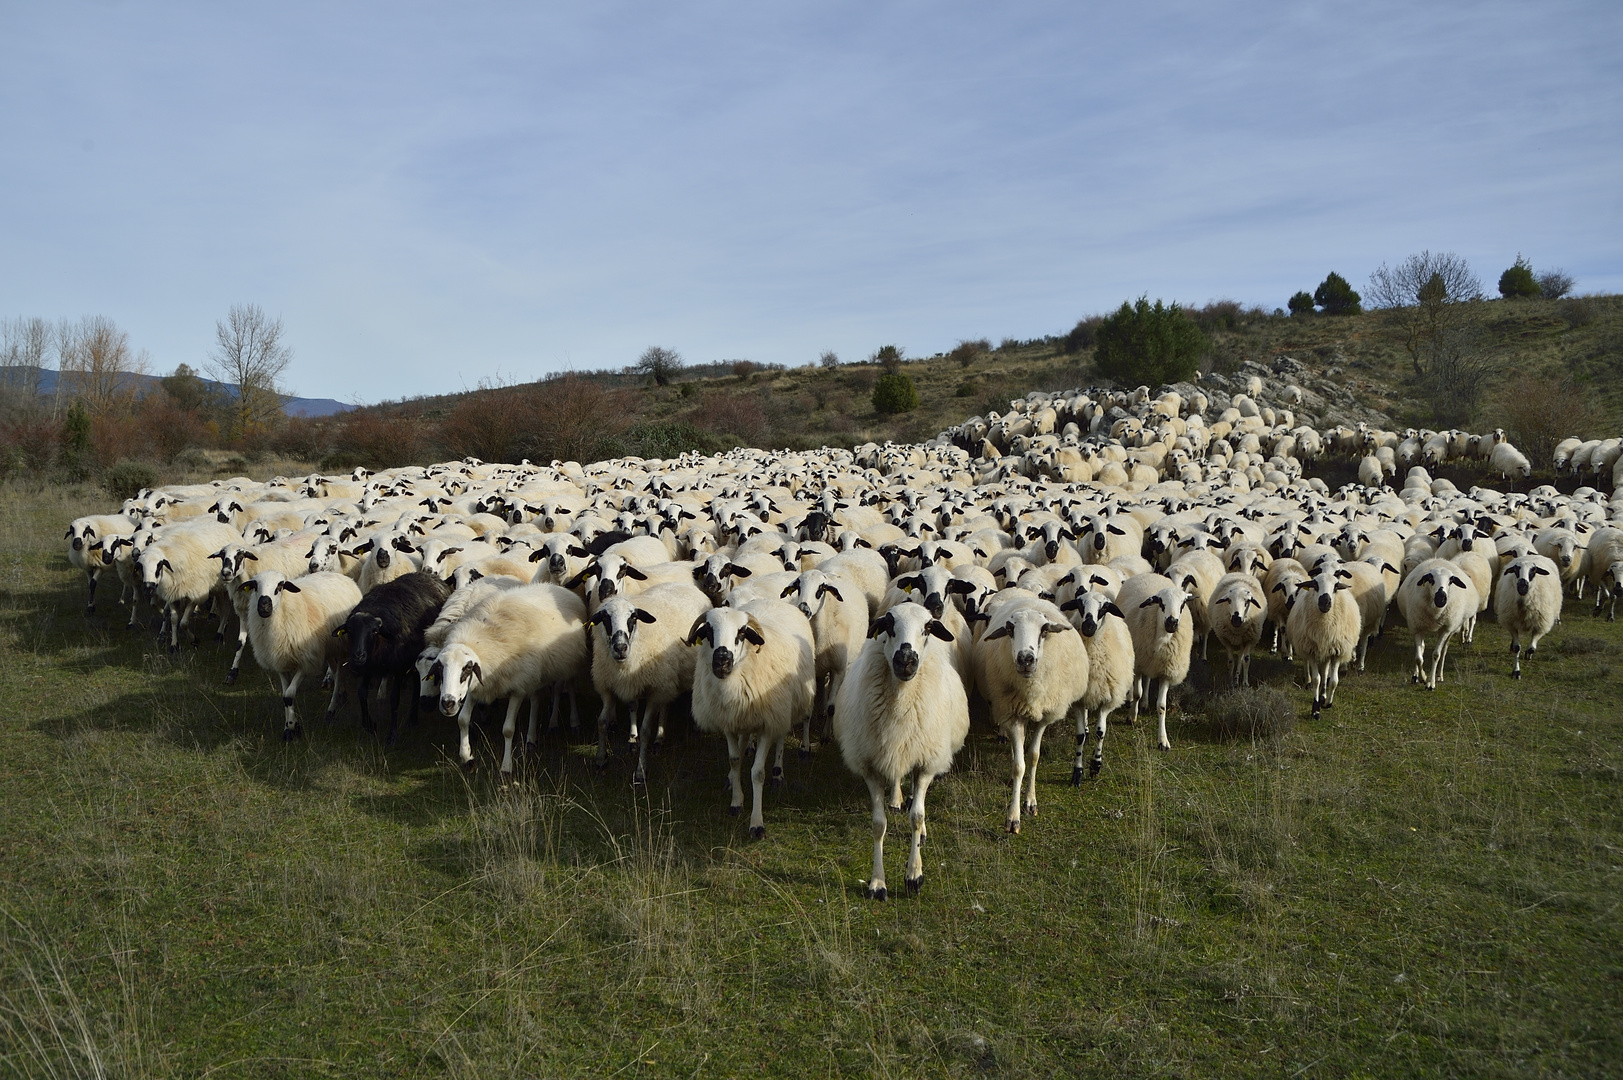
1416 884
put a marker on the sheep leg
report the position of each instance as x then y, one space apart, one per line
510 725
242 647
291 728
1017 751
1037 731
878 790
659 728
763 750
1161 715
1099 744
1133 698
1081 715
175 623
367 723
1515 655
1245 667
604 719
735 754
915 855
1334 676
557 705
90 608
632 713
1419 659
464 718
777 762
535 719
337 695
1439 660
639 775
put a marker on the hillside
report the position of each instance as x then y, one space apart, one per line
1570 350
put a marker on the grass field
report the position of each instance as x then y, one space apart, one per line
1418 884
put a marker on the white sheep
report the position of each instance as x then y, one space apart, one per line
901 712
178 571
82 534
1110 671
1238 612
1435 600
1506 462
838 614
1527 602
1162 638
639 653
754 674
1031 666
1324 629
512 644
292 631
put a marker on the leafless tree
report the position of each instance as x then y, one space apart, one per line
25 345
95 363
829 359
659 364
1427 296
1554 284
250 357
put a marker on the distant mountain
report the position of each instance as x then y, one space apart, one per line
143 385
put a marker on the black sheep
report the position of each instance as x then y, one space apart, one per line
385 636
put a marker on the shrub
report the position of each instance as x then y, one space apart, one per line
1082 336
966 388
76 431
738 415
1537 412
1518 281
1144 344
829 360
1251 712
1554 284
1335 296
743 368
965 352
1218 315
1302 303
894 393
127 479
660 364
888 357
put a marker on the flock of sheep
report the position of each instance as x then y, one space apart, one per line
1060 561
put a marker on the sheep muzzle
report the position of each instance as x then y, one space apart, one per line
1025 662
1441 599
1171 625
264 607
1521 587
620 645
905 663
448 705
721 663
1325 600
78 543
383 558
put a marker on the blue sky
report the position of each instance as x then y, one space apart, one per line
431 195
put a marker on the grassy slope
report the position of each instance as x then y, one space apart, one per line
1419 883
809 407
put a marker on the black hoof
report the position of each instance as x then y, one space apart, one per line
638 779
1515 674
914 885
601 765
231 676
173 649
326 684
294 732
732 811
330 717
1013 825
470 765
757 832
1165 748
1093 768
91 610
218 637
805 754
875 894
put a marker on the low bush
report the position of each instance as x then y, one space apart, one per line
127 479
894 393
1251 712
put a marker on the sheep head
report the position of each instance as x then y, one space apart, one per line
907 629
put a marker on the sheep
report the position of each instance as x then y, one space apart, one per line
176 570
511 645
755 674
1505 462
638 653
82 532
900 712
1110 671
1435 600
384 634
1162 640
1606 567
1324 630
1280 585
1527 602
1031 667
387 557
1238 611
1369 591
239 563
839 626
1198 573
1476 567
291 630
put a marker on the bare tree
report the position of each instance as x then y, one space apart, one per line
1554 284
829 359
250 357
96 364
25 345
1427 296
660 364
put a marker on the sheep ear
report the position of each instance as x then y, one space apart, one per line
643 616
634 574
791 587
250 555
1003 631
738 571
537 555
751 633
339 632
1113 529
1389 568
473 666
700 629
909 583
1073 604
246 586
960 586
938 629
860 542
289 586
1156 600
1112 609
1456 582
827 588
1344 573
1539 570
362 549
449 551
1055 628
885 624
698 572
580 578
